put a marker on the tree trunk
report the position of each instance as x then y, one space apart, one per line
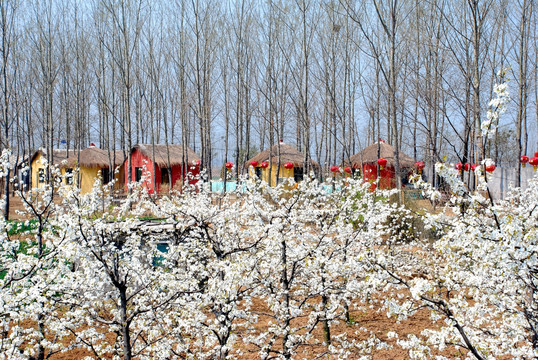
125 323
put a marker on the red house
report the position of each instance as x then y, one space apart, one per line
163 167
366 161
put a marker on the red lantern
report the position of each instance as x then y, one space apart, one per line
458 166
254 163
524 159
419 165
347 169
195 163
474 166
381 162
534 162
466 167
229 165
490 168
288 165
264 165
335 169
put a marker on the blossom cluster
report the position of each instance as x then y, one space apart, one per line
496 107
184 283
191 274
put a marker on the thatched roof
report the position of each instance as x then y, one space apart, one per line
161 155
91 157
369 155
58 157
287 154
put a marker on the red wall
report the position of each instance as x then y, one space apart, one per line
139 160
387 179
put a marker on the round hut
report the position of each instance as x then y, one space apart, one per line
280 160
366 161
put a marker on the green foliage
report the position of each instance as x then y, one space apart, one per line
21 227
23 248
402 226
359 205
151 218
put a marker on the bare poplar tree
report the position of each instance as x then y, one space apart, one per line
124 19
44 42
479 12
526 9
8 10
205 40
390 18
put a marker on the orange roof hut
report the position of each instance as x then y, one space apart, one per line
367 161
291 161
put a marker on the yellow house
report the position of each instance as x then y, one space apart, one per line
281 160
89 162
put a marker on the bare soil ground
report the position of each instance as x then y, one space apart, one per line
375 322
15 205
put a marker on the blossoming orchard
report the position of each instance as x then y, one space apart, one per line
280 179
271 272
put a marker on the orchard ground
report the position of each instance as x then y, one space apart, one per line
273 272
364 321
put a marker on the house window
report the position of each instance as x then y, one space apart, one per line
259 172
41 175
165 176
69 176
159 257
298 174
138 174
105 174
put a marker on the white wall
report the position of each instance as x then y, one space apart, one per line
502 178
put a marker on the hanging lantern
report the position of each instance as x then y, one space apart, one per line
335 169
474 166
490 168
195 163
524 160
419 165
253 163
264 165
466 167
459 167
229 165
288 165
347 169
534 161
381 162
